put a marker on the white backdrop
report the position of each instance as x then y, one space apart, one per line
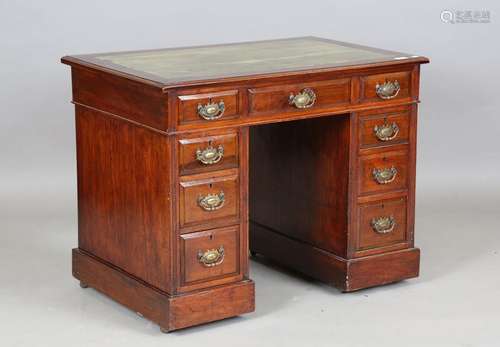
458 180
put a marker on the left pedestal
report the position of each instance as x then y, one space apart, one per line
149 234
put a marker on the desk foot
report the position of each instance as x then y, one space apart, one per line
170 312
347 275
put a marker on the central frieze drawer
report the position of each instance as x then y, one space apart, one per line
306 97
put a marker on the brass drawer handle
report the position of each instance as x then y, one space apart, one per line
210 155
304 99
383 225
388 89
211 110
211 257
386 132
212 202
385 176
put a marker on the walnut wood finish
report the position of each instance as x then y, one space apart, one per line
299 180
275 99
147 236
189 145
383 161
369 82
192 188
170 312
188 105
124 205
346 274
368 238
367 125
198 275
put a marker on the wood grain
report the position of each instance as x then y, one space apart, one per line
299 180
123 196
170 312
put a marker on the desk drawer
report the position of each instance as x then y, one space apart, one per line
383 129
210 255
209 197
385 87
381 224
208 107
305 97
212 152
383 172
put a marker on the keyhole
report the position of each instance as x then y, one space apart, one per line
211 237
210 185
210 143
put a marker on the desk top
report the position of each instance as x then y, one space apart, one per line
191 65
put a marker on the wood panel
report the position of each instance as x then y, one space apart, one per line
171 312
123 196
346 274
299 175
138 102
121 287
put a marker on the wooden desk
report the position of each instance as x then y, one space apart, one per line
187 158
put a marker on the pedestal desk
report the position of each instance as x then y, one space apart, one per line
300 150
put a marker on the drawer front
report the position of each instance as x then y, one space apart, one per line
383 172
383 129
210 255
311 97
381 224
208 153
385 87
207 199
208 107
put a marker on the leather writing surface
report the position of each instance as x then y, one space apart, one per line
242 59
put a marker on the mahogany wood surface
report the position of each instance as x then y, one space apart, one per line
170 312
367 124
124 213
346 274
292 184
188 105
381 161
189 145
299 180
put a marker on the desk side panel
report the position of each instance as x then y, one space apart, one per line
124 205
119 96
